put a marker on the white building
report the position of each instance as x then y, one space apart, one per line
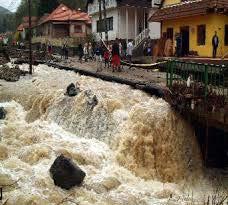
126 19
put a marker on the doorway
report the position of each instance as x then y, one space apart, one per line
184 40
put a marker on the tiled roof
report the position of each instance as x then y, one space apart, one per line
25 23
63 13
190 8
79 16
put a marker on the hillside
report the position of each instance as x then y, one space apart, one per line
4 10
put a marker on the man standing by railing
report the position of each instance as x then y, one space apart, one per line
215 44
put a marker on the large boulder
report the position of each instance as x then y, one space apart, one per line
2 113
72 90
10 74
65 173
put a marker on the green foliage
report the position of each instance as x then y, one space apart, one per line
6 20
9 21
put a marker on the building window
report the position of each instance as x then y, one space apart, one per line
226 35
201 35
78 28
101 25
169 33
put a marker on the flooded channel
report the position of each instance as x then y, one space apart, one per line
133 147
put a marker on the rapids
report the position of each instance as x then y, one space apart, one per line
133 147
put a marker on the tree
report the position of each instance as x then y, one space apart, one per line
105 20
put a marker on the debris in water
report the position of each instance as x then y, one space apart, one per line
11 74
91 99
66 174
2 113
72 90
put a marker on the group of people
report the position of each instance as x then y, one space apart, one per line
110 53
86 52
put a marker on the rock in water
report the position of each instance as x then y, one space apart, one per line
91 99
72 90
2 113
66 174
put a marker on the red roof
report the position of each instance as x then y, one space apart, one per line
63 13
25 23
80 16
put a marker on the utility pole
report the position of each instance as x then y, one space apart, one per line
30 37
100 18
105 21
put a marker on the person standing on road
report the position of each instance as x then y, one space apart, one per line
66 51
49 48
90 51
120 49
115 56
98 53
215 44
106 56
85 51
80 52
130 48
62 51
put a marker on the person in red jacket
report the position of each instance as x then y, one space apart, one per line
106 57
115 56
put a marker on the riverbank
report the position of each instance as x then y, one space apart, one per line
133 148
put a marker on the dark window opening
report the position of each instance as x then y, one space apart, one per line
226 35
170 33
146 20
201 35
78 28
101 25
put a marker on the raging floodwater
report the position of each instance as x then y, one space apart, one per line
133 148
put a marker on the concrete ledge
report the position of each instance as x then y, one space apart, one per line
150 88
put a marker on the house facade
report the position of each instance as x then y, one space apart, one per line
23 27
195 22
126 19
64 22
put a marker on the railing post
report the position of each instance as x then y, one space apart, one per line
167 73
206 80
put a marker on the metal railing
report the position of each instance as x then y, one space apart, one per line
143 35
211 77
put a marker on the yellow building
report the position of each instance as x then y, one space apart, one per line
195 22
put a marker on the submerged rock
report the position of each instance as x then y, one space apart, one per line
72 90
2 113
91 99
65 173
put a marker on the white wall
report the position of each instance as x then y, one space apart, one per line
94 7
112 35
155 30
155 27
119 21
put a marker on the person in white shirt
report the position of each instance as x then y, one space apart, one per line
120 49
130 48
85 50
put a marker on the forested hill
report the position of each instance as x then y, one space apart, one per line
6 20
9 21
